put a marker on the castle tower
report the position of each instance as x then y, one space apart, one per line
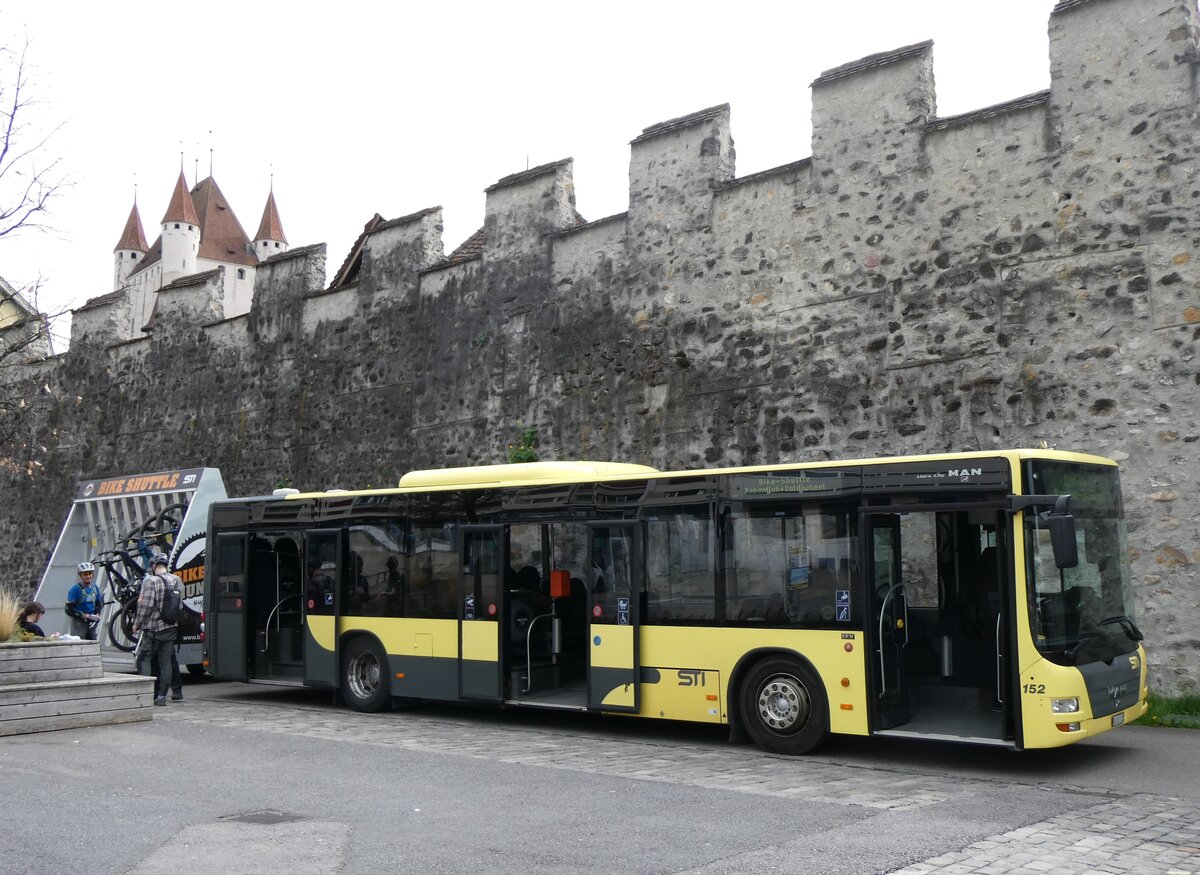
270 239
180 234
130 250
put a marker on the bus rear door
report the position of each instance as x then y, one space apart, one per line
614 594
226 599
322 566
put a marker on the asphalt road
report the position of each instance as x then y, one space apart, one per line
446 789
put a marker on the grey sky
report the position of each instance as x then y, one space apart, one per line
363 107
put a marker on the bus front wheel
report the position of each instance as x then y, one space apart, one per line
365 676
784 707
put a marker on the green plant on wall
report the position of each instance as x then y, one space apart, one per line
524 450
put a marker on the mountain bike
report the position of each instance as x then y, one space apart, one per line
129 563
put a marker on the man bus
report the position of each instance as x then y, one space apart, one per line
977 597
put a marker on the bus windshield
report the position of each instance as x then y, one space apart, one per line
1081 614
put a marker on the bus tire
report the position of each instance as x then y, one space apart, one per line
784 707
196 669
365 675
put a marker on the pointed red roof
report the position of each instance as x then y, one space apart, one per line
222 237
133 237
181 208
270 228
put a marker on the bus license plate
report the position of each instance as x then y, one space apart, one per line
1118 719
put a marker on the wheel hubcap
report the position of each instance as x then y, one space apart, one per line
783 704
364 675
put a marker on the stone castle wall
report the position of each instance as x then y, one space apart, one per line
1029 272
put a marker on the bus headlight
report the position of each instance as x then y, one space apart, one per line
1064 706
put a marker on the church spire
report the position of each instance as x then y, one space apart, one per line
131 249
270 228
181 208
133 238
270 239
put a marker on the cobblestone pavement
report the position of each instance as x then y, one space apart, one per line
1139 833
1099 831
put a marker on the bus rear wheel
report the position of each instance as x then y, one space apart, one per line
784 707
365 676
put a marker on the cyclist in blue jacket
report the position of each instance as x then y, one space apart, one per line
84 602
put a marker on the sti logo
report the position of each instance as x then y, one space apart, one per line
964 474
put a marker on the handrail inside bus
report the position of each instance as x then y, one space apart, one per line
882 614
267 627
529 650
999 656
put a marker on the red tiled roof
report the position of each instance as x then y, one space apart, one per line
133 237
470 249
270 228
221 235
153 256
347 274
181 208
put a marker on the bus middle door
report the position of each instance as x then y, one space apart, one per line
480 587
614 593
322 570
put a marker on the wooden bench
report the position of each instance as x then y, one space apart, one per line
62 685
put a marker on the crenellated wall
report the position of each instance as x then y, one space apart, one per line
1024 273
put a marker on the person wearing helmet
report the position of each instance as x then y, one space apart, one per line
84 602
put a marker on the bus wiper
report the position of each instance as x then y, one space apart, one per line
1127 625
1070 652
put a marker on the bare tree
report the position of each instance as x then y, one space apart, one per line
24 342
29 177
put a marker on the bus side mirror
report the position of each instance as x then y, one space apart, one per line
1062 534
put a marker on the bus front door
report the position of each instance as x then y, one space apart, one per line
889 614
479 608
614 594
939 631
322 570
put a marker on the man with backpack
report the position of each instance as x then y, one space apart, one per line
157 621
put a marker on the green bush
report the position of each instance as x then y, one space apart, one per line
10 610
1180 712
524 450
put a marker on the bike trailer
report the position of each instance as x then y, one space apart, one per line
117 523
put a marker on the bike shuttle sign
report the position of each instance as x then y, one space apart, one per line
118 523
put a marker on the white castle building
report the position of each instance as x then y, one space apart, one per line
199 232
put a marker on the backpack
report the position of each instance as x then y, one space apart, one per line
172 602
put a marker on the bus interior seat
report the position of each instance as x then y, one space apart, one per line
774 609
263 580
528 578
288 561
763 609
524 606
572 609
651 605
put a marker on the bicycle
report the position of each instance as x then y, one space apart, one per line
125 571
125 591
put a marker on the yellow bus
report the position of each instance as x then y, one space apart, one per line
978 597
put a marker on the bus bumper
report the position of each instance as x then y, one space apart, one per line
1064 733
